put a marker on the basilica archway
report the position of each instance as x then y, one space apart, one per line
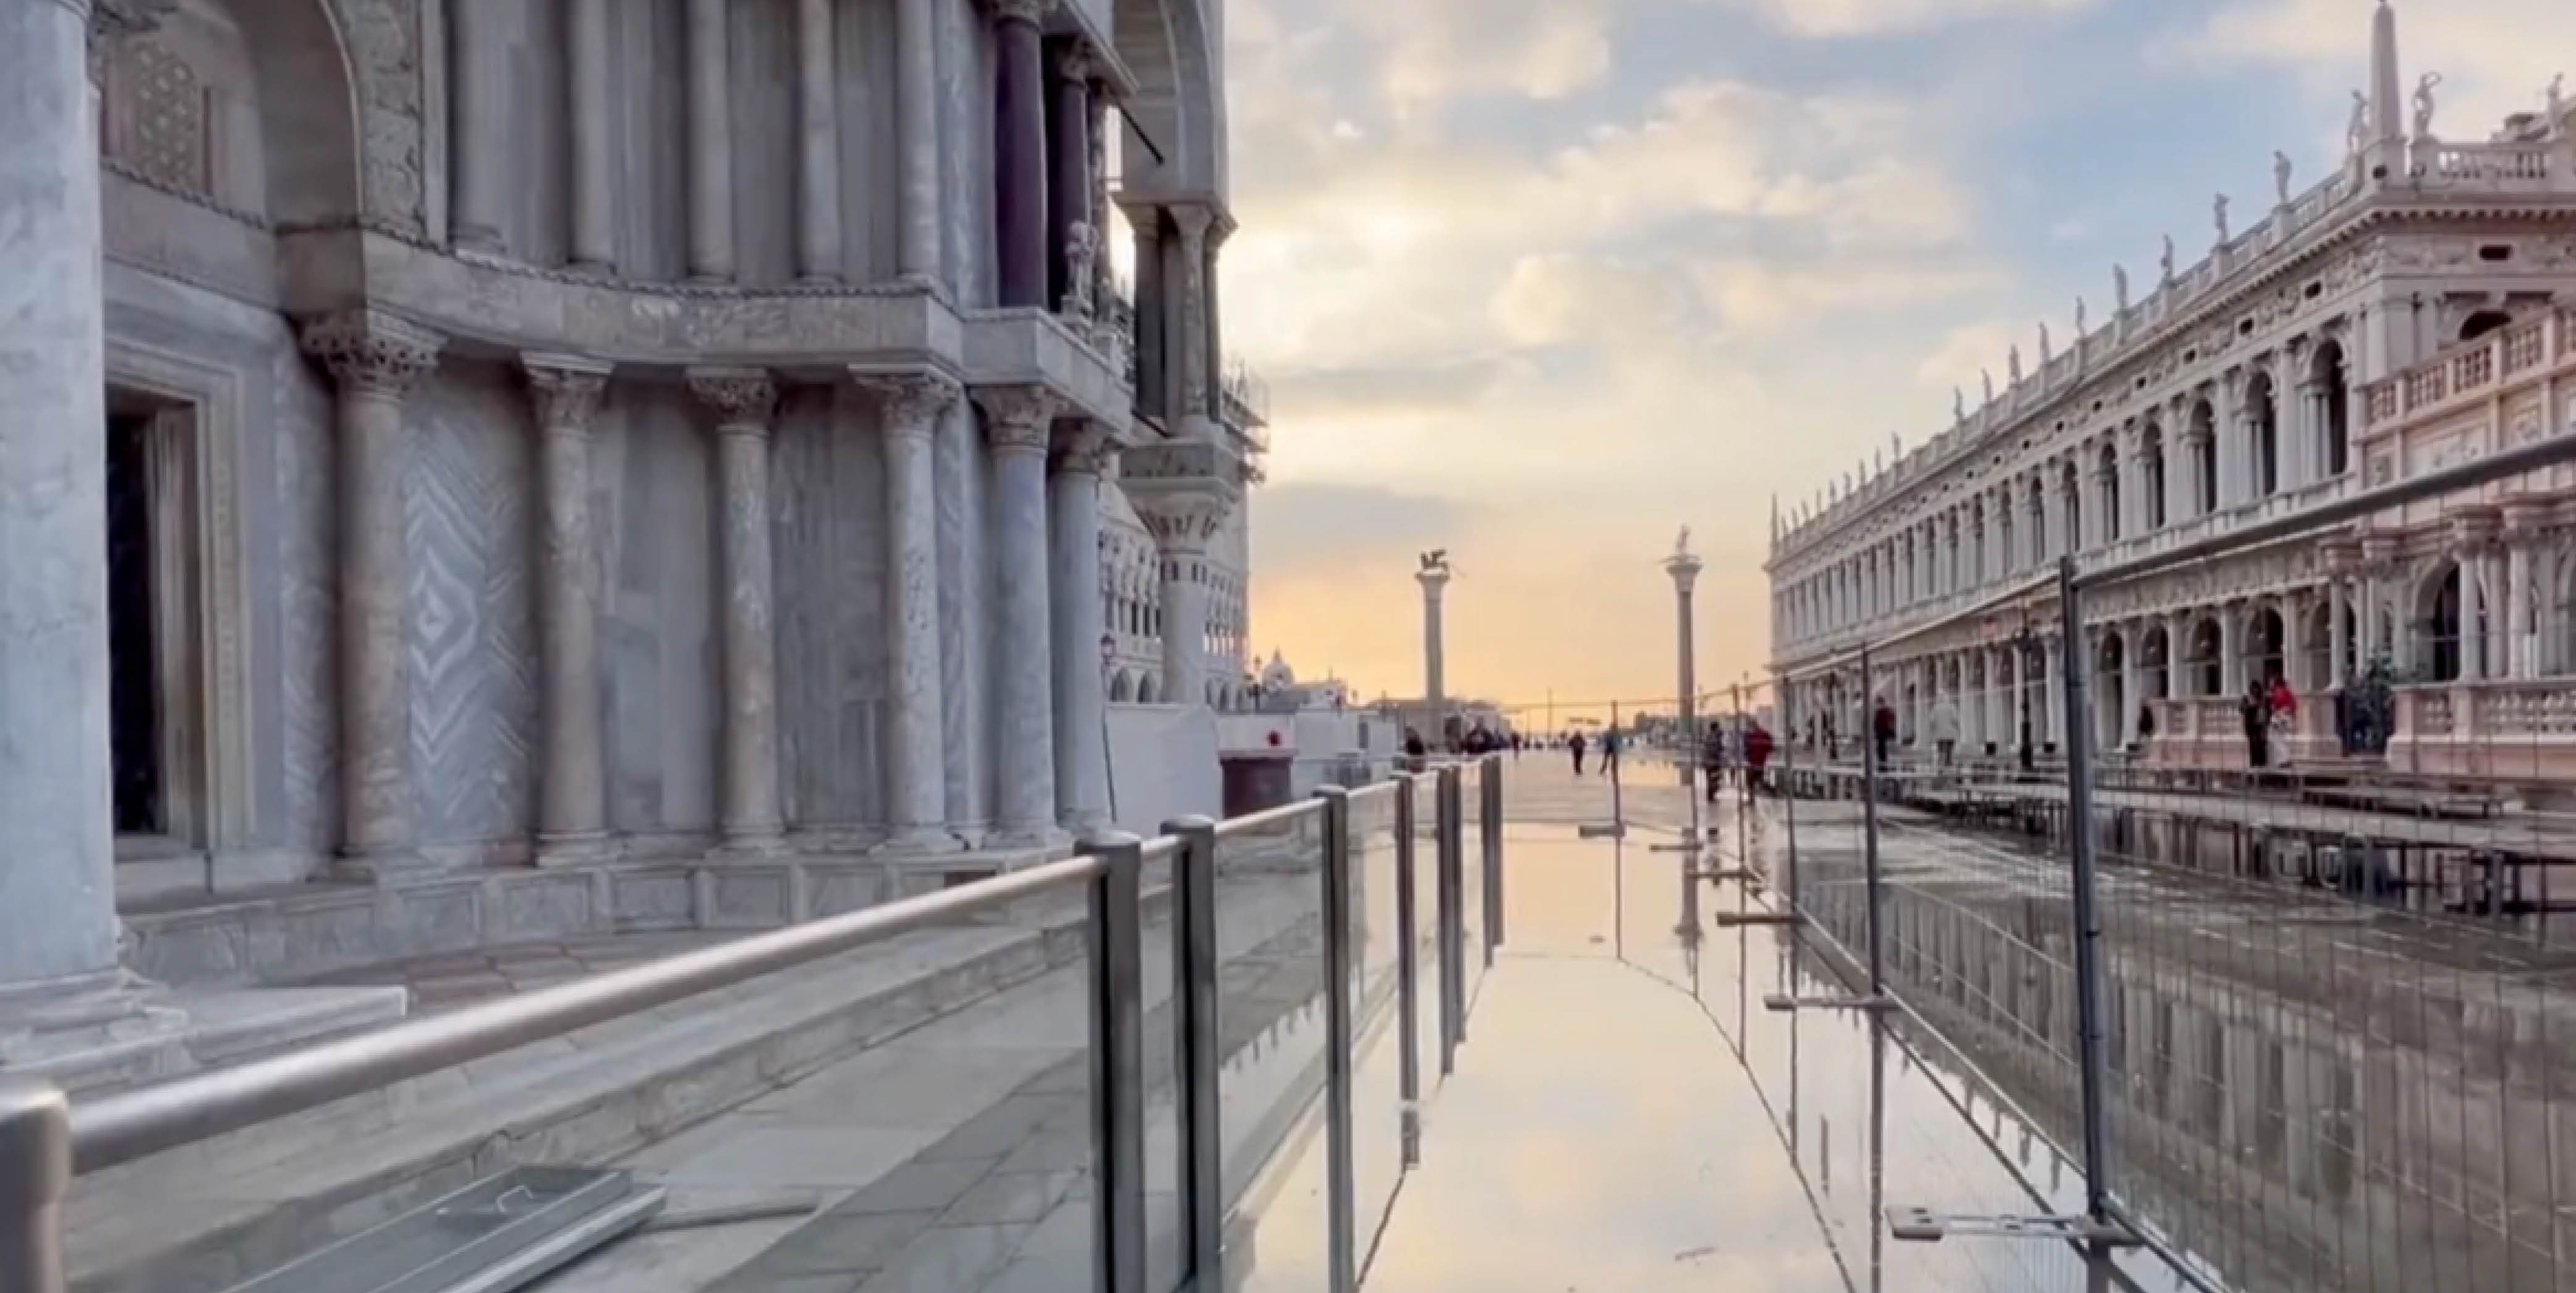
2438 611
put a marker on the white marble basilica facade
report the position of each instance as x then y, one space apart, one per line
492 469
2413 308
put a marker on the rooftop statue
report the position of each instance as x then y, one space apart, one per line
2424 104
2218 213
2120 288
2357 135
1435 562
1959 404
2169 259
1681 543
2281 176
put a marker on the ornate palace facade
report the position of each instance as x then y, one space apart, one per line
576 465
2415 308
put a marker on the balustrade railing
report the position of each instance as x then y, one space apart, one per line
2474 369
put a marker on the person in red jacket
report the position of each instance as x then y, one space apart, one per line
1757 753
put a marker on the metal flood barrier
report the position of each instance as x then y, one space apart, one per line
47 1139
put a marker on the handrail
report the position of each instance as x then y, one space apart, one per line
125 1127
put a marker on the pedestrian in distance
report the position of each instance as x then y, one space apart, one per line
1574 744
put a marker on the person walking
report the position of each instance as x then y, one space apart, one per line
2255 710
1882 729
1945 729
1574 743
1757 754
1610 753
1712 759
1416 755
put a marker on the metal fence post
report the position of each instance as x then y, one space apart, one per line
1408 975
1340 1174
2088 926
1789 800
1489 824
1196 1067
1743 781
1869 771
1118 1064
1448 903
35 1177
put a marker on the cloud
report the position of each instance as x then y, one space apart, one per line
1308 526
1890 17
1761 294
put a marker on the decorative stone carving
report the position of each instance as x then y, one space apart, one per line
567 391
1027 11
119 19
156 126
1018 417
384 43
370 351
741 397
1082 247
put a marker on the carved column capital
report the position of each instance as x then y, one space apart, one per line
745 400
567 390
1084 448
1031 12
1018 418
119 19
370 352
912 399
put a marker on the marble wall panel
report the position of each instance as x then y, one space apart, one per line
652 470
649 120
654 900
539 145
831 555
468 527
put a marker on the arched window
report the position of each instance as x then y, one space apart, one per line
2439 611
2071 498
2334 402
2483 322
2107 469
2263 415
2038 522
2204 458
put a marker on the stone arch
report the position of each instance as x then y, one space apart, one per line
2482 322
2155 663
2266 643
2263 412
1170 47
1122 688
2111 698
2202 656
1149 691
306 98
2331 379
2151 477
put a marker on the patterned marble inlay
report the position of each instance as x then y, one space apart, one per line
472 660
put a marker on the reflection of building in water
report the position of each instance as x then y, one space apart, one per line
2408 311
2255 1091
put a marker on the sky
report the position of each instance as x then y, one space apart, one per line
1541 282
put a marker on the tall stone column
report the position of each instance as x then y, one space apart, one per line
1183 522
1684 569
915 755
1019 152
58 884
916 92
818 139
375 358
592 196
2132 699
478 56
710 142
1081 454
745 402
1189 351
1018 424
2338 630
1435 649
2522 522
572 805
1069 188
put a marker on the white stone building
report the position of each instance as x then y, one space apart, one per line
2406 310
574 465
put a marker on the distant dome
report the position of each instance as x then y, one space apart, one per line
1277 674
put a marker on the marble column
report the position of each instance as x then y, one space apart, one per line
592 198
1684 569
2522 642
58 926
710 142
1082 452
1183 524
1020 248
374 357
914 751
1018 425
1153 393
2131 698
2231 650
1435 648
1069 189
572 804
745 402
818 138
916 92
481 148
1188 352
2338 632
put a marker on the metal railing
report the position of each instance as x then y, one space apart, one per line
48 1139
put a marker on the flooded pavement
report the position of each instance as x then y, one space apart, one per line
1627 1116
